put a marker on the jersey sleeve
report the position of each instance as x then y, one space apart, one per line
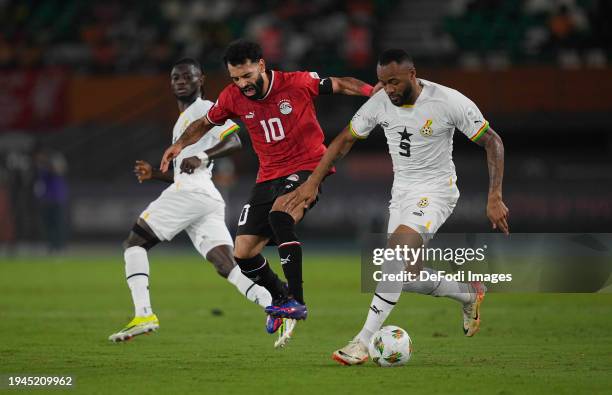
228 128
311 82
466 117
222 110
365 119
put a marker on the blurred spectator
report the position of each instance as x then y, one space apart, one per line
358 46
114 36
20 180
566 26
561 25
540 30
51 189
7 222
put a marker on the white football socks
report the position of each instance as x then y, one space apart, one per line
249 289
380 308
137 275
442 287
384 300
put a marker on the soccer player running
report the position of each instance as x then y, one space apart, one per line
278 110
190 203
419 118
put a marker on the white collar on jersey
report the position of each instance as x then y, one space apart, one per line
269 87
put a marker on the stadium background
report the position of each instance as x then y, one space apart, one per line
85 92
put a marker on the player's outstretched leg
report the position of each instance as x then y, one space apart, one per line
385 298
290 253
222 257
223 260
469 295
140 240
356 351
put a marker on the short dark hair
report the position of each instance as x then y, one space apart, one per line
190 61
239 51
394 55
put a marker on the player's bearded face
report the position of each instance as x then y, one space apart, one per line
249 78
402 97
398 82
400 94
254 90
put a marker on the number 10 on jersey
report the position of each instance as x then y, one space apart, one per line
273 129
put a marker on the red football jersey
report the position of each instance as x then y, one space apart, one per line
283 125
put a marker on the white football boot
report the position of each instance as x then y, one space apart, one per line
354 353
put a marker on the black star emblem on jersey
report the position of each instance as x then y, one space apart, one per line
405 135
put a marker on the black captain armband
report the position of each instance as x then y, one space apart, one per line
325 86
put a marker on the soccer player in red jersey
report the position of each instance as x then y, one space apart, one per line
278 111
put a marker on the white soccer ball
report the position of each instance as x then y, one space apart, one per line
390 346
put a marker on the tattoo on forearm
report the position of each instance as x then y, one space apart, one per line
495 163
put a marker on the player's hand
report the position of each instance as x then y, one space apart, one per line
188 165
498 214
143 171
171 152
304 195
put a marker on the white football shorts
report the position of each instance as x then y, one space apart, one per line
199 214
423 210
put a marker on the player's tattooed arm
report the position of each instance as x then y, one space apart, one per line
191 135
306 193
225 147
496 209
144 171
351 86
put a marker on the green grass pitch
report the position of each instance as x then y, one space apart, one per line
55 317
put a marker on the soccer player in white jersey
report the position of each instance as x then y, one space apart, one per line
191 203
419 119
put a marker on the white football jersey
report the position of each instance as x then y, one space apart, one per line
420 136
201 177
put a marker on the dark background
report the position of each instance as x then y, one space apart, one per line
84 91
